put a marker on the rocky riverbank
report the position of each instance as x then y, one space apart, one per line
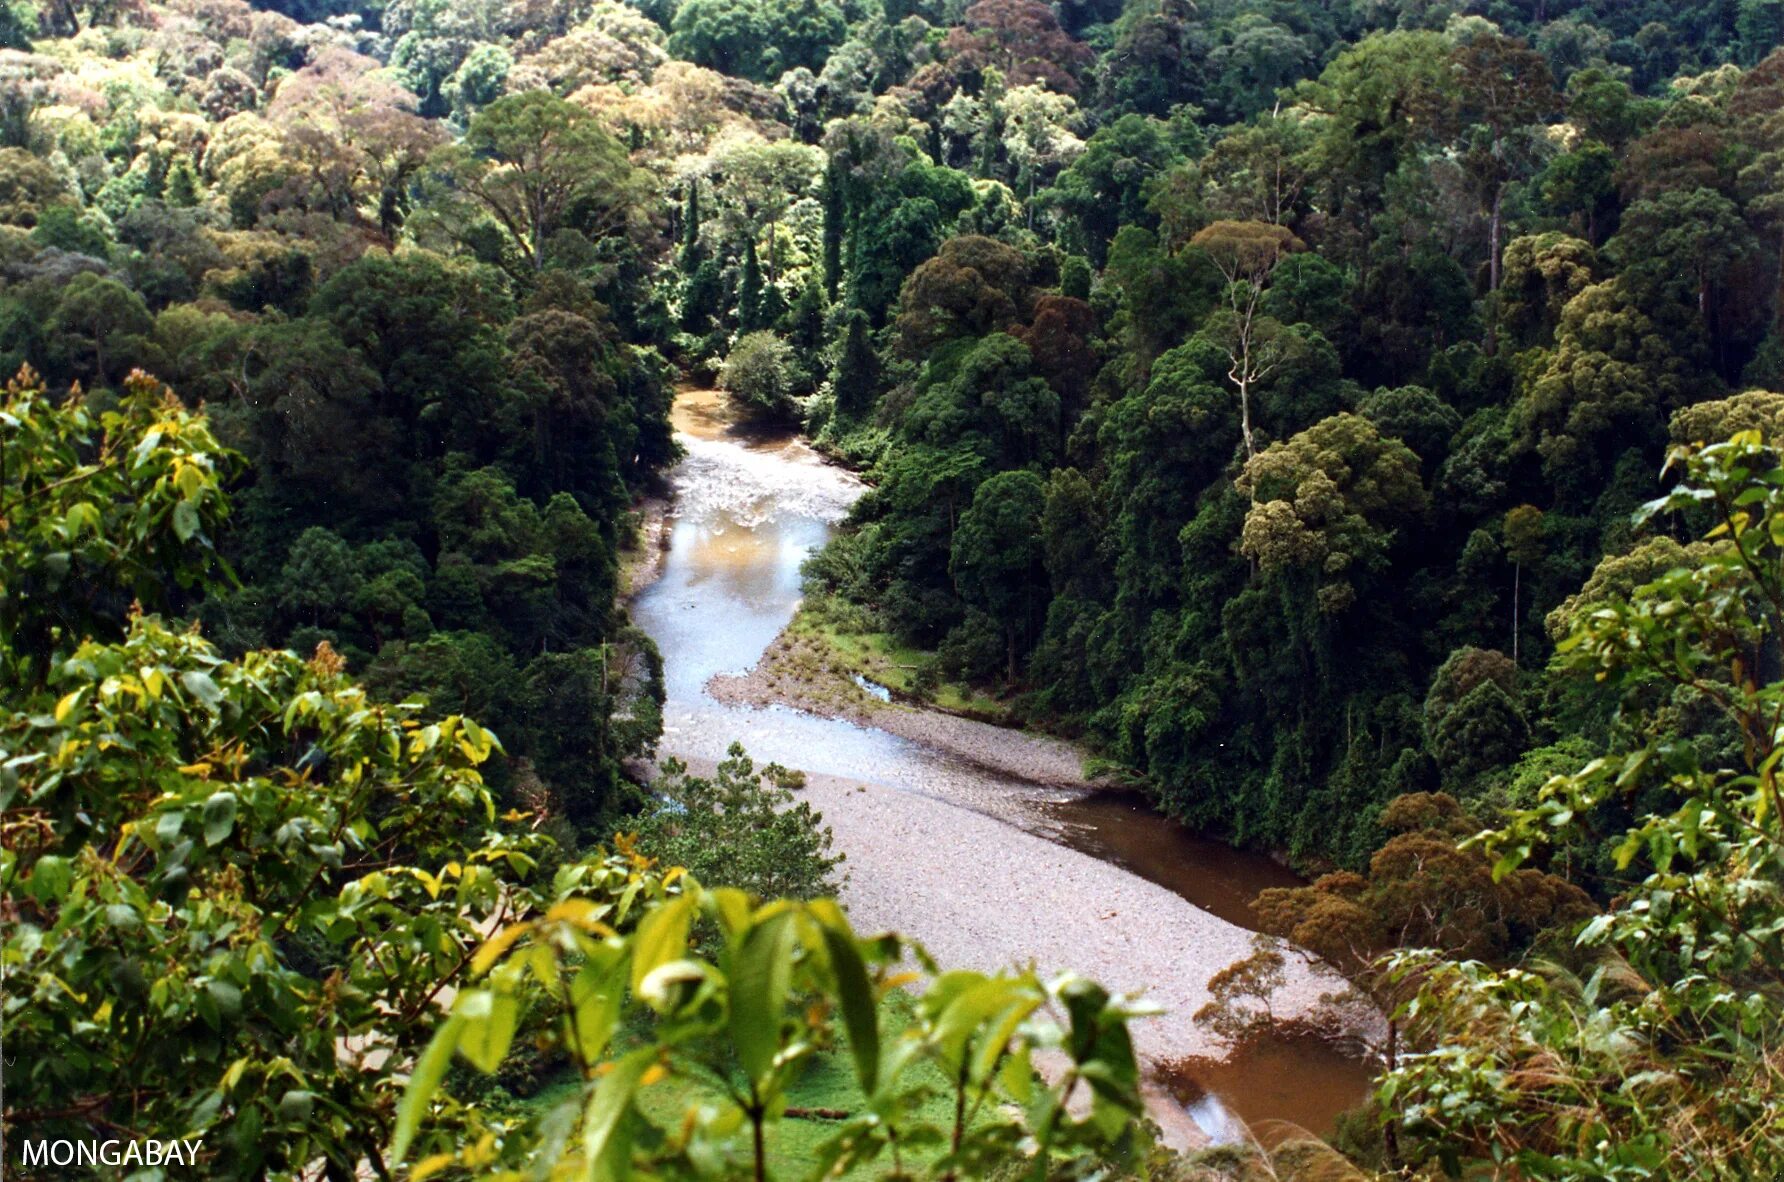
800 672
642 562
981 893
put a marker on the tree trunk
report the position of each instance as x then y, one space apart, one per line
1245 418
1495 227
1390 1136
1517 579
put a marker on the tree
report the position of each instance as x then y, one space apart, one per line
1611 379
1165 444
973 286
758 372
1258 172
1721 418
479 80
835 223
1326 501
1685 244
538 165
1246 253
755 181
1503 88
1257 58
614 45
1760 28
257 917
734 830
804 321
1473 724
805 31
242 892
588 711
1424 888
1418 418
1059 339
855 378
1580 184
750 290
1107 186
104 320
691 254
751 1004
1021 40
1379 98
997 558
1523 546
1542 273
730 36
1038 137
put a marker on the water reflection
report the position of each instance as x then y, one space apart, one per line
1300 1080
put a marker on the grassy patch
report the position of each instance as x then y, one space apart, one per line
836 634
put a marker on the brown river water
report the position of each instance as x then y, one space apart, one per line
749 508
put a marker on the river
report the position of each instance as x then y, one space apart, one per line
749 507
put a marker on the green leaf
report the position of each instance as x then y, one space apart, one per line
50 878
227 997
219 817
490 1019
185 521
1017 1075
295 1105
430 1069
661 937
1594 931
990 1045
200 686
960 1020
595 998
603 1145
760 978
859 1014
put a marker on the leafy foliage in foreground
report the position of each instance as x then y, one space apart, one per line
239 892
232 888
788 980
1658 1055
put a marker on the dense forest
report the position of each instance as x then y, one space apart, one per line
1352 421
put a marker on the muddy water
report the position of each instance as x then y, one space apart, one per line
1274 1087
1120 827
750 507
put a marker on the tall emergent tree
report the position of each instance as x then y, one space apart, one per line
538 165
1246 253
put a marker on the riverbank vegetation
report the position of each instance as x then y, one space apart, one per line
832 659
1321 411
